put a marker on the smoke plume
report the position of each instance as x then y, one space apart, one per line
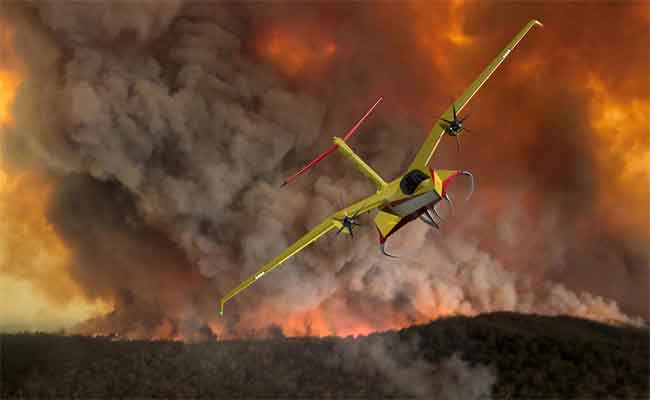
166 128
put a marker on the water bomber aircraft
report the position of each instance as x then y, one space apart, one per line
411 196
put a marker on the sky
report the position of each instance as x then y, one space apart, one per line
143 145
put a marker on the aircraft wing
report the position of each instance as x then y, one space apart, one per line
333 221
423 156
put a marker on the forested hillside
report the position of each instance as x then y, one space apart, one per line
504 355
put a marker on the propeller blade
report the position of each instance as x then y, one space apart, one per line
453 108
451 204
436 212
446 120
429 221
471 178
431 217
339 231
458 143
350 230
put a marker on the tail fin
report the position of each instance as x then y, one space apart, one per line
446 176
332 148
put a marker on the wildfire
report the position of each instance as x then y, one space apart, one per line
36 262
292 54
9 74
624 150
34 259
456 35
332 317
440 42
9 82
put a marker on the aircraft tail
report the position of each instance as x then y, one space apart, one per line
444 177
332 148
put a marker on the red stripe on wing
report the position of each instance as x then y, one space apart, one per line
311 164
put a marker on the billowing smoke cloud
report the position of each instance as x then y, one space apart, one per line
450 379
170 125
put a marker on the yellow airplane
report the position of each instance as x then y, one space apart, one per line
404 199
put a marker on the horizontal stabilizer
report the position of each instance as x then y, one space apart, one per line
332 148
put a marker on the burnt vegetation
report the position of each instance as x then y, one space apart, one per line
531 356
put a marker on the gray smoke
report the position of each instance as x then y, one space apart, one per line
451 378
187 135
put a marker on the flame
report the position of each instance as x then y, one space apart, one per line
38 259
10 77
332 319
34 259
292 54
623 152
427 24
456 35
9 82
441 41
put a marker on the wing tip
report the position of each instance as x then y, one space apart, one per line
537 23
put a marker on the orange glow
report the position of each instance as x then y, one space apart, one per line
623 152
456 35
320 322
29 241
528 66
31 250
293 54
9 82
312 322
34 259
332 318
441 41
10 77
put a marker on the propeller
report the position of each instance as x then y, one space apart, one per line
455 126
347 223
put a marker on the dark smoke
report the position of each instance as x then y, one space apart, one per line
169 136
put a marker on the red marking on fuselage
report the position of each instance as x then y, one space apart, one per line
447 181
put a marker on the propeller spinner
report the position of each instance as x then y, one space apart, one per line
347 223
455 127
